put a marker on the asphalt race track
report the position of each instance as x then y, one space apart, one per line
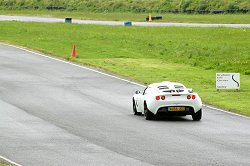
116 23
56 113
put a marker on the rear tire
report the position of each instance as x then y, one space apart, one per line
148 114
197 116
135 110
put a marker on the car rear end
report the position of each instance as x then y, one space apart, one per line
176 102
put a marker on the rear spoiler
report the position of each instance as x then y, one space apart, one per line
188 90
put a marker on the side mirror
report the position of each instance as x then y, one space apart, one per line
137 92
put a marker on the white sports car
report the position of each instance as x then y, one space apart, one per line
167 98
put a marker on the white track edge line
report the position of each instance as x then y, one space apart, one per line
122 79
221 110
9 161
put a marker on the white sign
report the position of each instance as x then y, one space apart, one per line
227 80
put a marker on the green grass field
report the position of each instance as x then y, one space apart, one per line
149 54
3 164
181 18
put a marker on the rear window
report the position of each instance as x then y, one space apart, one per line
163 87
178 87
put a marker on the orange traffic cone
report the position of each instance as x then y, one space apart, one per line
73 55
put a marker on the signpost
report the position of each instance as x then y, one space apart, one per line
227 81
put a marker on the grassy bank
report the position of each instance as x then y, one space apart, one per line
130 4
4 163
1 164
150 54
181 18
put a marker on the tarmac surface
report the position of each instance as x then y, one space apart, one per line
115 23
56 113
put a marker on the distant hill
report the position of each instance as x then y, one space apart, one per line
128 5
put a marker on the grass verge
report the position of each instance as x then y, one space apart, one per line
5 163
150 54
1 164
116 16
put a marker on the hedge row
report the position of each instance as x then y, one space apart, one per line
131 5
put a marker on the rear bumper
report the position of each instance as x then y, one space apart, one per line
165 110
154 106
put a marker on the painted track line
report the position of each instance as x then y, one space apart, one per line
109 75
221 110
7 161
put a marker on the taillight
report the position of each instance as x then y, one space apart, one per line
193 97
160 97
188 97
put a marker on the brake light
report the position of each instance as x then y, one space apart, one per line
160 97
188 97
193 97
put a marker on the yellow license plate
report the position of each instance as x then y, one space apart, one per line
177 109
